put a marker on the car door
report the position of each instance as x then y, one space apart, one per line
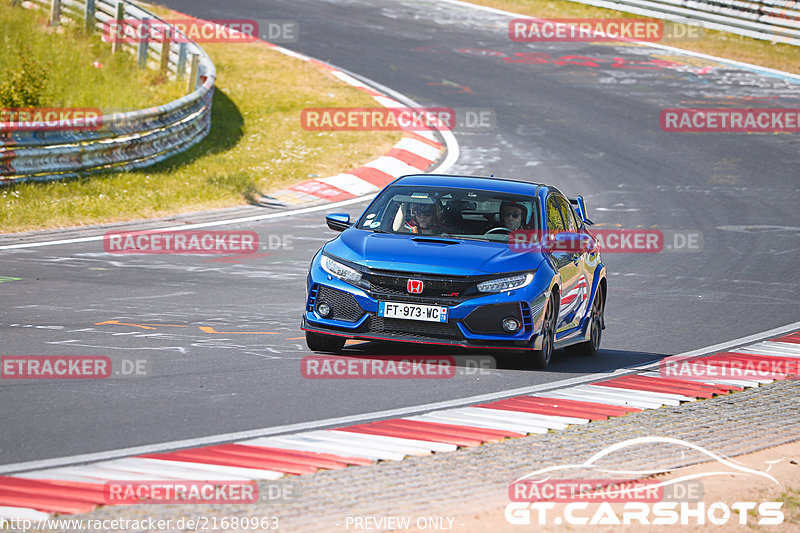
575 301
563 259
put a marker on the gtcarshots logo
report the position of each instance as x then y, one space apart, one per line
543 498
181 242
185 492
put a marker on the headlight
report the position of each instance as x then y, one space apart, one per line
506 284
338 270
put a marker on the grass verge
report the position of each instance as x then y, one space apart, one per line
255 144
79 71
783 57
791 507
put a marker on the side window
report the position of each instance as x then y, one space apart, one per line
554 222
578 222
568 214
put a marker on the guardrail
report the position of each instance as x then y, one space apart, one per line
771 20
121 141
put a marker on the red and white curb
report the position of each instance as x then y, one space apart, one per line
414 153
79 489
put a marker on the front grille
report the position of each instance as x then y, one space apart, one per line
447 289
343 305
414 328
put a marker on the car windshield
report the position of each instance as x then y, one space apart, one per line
452 212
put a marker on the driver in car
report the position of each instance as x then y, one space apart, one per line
513 215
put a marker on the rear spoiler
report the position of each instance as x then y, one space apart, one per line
580 207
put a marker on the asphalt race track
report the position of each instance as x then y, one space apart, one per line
217 339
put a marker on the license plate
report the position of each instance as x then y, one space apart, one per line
428 313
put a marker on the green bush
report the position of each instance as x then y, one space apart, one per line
24 83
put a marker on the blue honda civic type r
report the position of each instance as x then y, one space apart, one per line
474 262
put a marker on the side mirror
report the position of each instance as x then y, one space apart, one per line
580 207
338 221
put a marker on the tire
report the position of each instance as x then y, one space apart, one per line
318 342
541 358
591 347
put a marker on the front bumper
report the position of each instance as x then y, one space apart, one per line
472 323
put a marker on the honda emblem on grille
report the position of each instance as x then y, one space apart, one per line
414 286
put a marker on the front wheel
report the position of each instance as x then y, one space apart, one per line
541 358
318 342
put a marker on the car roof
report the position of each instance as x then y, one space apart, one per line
480 183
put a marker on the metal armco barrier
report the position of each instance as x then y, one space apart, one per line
122 141
771 20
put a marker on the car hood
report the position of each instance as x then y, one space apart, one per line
430 254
